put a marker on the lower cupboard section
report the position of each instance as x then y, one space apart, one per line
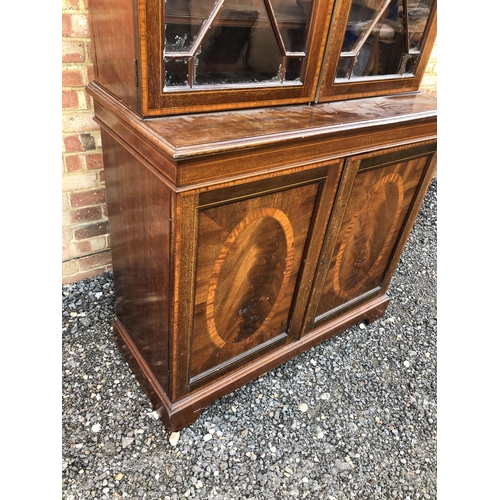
218 285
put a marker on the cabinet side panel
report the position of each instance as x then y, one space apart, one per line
114 48
139 209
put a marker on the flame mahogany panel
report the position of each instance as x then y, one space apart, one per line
249 256
382 194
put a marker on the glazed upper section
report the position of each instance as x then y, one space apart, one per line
164 57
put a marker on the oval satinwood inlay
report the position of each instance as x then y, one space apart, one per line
249 278
368 234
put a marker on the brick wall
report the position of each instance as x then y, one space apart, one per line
85 238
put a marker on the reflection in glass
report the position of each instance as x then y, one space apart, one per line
224 42
183 21
229 49
418 14
383 38
293 68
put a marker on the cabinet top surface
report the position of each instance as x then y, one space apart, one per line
188 136
195 134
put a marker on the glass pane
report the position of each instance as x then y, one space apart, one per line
176 72
418 15
379 40
343 67
240 46
362 12
235 41
293 69
411 64
378 43
183 20
293 18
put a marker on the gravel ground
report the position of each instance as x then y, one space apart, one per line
354 417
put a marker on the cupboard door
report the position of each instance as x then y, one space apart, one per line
252 242
227 54
378 47
368 234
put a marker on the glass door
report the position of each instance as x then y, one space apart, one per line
378 47
230 42
227 54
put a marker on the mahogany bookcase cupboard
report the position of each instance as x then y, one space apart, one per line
265 161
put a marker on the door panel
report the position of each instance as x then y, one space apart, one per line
249 255
374 223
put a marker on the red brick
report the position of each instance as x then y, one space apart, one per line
86 215
74 25
90 52
83 247
429 91
91 231
90 73
86 198
88 142
69 251
73 163
73 51
96 260
66 25
94 161
79 181
77 249
79 143
67 235
70 99
86 274
76 122
72 144
102 180
87 100
73 77
70 267
70 5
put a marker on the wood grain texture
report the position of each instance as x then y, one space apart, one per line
126 31
115 47
242 143
188 136
248 260
380 199
220 295
209 133
249 278
242 237
241 270
139 223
